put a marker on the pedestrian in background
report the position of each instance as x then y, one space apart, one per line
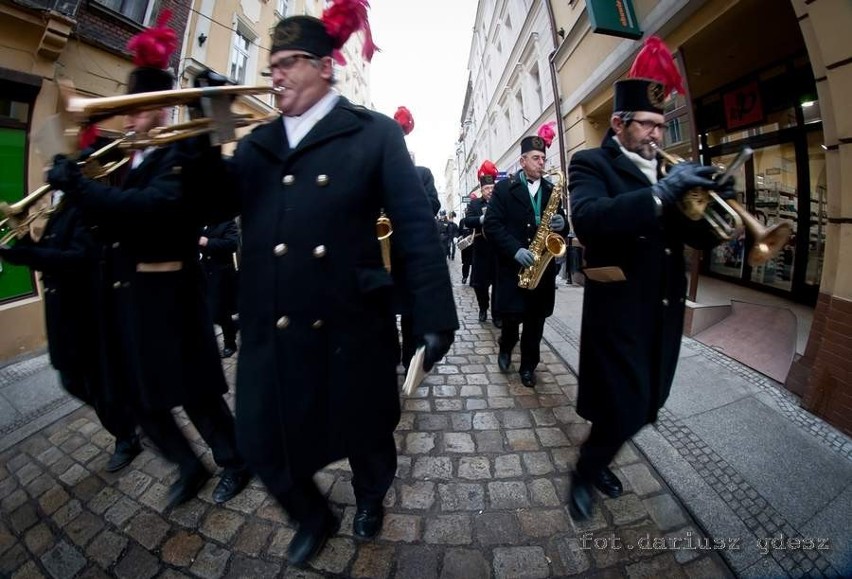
482 276
219 245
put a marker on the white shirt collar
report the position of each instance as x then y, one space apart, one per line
298 127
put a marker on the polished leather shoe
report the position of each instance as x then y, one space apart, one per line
483 315
309 540
581 498
125 451
187 486
228 352
607 482
464 280
504 360
498 323
231 483
528 378
368 522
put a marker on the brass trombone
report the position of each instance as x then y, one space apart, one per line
384 230
19 217
728 217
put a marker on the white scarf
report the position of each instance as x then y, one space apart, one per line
298 127
648 167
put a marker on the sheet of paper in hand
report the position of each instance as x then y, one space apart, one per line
416 373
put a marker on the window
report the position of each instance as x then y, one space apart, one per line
535 80
282 6
141 11
243 53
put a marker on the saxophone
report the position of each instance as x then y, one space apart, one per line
546 244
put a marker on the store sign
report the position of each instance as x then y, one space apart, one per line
743 106
614 17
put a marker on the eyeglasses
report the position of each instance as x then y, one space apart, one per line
648 125
288 62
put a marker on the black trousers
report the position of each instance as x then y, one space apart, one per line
600 449
465 270
483 301
373 470
112 408
530 338
229 331
214 422
408 347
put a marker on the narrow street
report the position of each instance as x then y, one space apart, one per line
480 492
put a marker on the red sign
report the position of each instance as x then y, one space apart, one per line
743 106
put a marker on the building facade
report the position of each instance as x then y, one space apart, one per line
509 91
784 93
45 41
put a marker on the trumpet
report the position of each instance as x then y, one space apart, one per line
20 217
384 230
728 217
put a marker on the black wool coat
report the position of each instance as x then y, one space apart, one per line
66 255
510 225
429 185
484 265
220 272
631 330
159 319
316 376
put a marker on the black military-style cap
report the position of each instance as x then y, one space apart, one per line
639 94
533 143
302 33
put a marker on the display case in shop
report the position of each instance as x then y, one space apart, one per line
775 202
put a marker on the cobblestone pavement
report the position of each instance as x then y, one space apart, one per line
480 492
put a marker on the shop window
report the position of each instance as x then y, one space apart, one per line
141 11
818 217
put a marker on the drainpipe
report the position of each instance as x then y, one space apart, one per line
557 101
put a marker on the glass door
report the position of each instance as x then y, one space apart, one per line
818 217
727 258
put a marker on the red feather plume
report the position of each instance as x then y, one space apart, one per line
487 168
153 47
87 136
655 62
547 133
405 120
345 17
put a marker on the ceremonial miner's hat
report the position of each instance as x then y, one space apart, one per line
326 36
540 141
152 48
650 81
405 120
487 173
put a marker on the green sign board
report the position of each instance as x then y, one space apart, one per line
614 17
15 281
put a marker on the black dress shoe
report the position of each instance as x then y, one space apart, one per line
528 378
310 539
125 451
581 500
368 522
228 352
504 360
483 315
187 486
231 483
498 323
607 482
464 280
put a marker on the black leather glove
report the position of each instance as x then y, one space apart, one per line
20 253
681 178
437 345
65 175
206 78
726 191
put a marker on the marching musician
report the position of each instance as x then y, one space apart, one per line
218 245
67 257
511 222
482 276
159 318
626 216
316 378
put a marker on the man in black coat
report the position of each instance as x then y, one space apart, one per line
67 257
167 347
633 233
466 253
484 264
316 378
511 223
218 246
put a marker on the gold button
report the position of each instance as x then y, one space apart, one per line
116 245
681 300
319 251
280 249
317 324
288 180
665 301
125 284
322 180
116 285
282 322
668 251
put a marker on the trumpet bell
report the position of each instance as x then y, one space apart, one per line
384 228
773 240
